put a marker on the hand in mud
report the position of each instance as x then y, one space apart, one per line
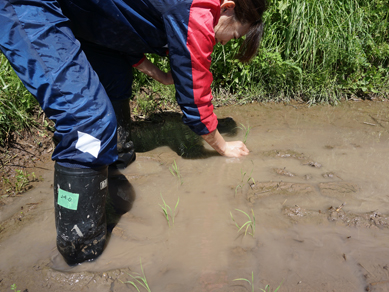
235 149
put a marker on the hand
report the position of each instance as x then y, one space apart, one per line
229 149
235 149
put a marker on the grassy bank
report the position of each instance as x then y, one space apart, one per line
316 51
16 103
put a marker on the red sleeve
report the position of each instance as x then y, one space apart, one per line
200 42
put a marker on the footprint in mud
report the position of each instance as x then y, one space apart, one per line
339 189
292 154
283 171
330 175
264 189
338 215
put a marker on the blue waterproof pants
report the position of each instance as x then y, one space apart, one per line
36 39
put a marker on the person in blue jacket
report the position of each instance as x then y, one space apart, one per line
77 57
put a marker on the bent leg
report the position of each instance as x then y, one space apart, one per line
37 41
48 59
115 73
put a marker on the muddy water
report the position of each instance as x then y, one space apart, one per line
316 180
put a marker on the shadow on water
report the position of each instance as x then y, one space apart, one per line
121 197
167 129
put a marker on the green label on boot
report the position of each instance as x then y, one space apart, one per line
67 200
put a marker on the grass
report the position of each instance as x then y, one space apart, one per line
249 223
315 51
16 103
139 280
20 184
267 287
167 211
175 171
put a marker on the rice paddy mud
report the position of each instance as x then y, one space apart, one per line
314 188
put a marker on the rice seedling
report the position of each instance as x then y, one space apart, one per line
167 211
242 182
267 287
249 223
247 131
175 171
251 283
138 280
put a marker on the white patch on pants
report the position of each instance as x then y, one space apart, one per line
88 143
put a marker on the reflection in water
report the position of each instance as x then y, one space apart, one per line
169 130
121 197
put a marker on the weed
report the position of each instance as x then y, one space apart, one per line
247 131
250 223
175 171
167 211
140 280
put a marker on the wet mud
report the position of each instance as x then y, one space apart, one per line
315 184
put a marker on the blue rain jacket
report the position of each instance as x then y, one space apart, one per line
44 48
184 27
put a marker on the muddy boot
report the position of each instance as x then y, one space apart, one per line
79 199
125 147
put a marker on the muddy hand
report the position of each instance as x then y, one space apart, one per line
235 149
229 149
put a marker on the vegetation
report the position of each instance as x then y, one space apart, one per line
139 279
175 171
315 51
243 181
246 130
249 223
267 287
16 103
14 288
168 213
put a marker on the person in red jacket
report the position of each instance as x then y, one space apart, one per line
77 57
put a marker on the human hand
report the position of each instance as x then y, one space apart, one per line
235 149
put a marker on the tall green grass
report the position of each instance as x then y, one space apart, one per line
314 50
317 51
16 103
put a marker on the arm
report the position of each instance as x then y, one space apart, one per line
229 149
191 42
154 72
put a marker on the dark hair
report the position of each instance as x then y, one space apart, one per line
250 11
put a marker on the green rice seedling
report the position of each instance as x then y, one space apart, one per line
267 287
14 288
251 283
175 171
167 211
243 174
247 131
250 223
138 280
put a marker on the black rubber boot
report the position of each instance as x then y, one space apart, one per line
125 147
79 200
